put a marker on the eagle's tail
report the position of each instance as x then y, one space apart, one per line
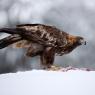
9 40
9 30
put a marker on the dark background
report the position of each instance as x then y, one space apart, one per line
76 17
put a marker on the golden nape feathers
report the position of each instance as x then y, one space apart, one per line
43 40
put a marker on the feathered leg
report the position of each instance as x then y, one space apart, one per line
34 50
47 57
9 40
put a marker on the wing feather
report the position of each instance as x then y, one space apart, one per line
22 44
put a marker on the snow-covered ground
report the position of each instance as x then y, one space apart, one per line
40 82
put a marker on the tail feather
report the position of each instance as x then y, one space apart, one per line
9 40
9 30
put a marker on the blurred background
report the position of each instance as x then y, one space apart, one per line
76 17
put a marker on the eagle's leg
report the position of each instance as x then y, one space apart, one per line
9 40
34 50
47 57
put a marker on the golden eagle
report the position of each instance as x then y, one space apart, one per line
43 40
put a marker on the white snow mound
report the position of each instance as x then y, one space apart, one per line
40 82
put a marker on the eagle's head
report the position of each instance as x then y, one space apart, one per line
75 40
72 43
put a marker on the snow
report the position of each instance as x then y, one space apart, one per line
40 82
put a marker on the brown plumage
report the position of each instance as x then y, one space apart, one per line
43 40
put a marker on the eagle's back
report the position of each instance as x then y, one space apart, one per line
47 33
